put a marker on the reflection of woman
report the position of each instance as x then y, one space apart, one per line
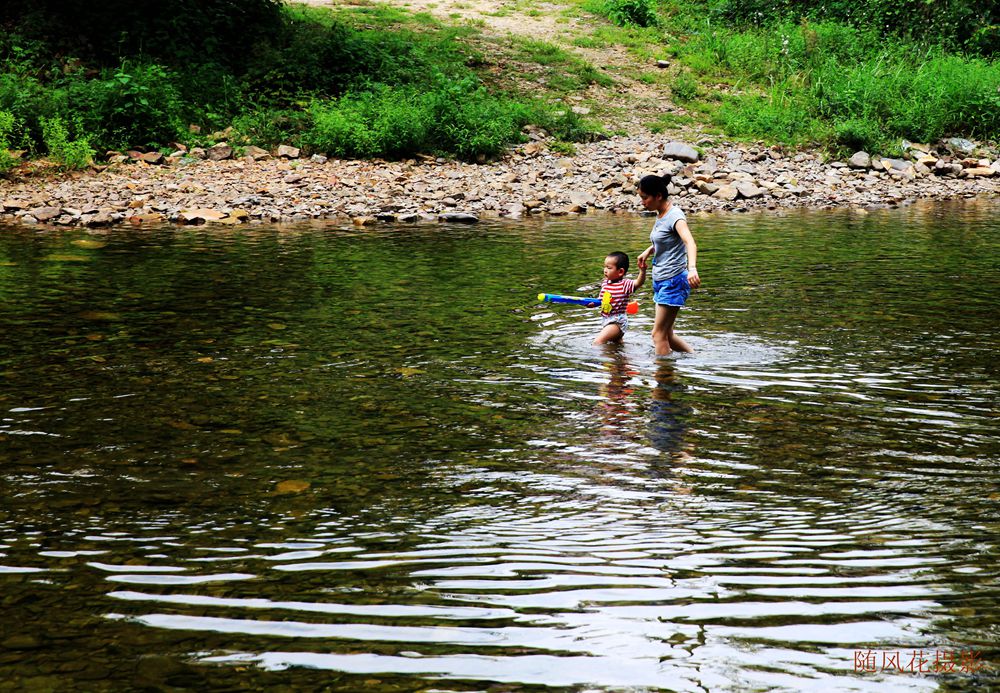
666 417
675 255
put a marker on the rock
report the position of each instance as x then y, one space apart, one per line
706 188
100 219
139 219
978 172
154 158
898 165
10 206
219 152
663 64
959 145
459 218
727 192
318 159
748 190
45 214
256 153
363 221
533 148
287 152
681 152
200 216
198 153
860 160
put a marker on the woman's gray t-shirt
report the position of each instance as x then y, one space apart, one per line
670 253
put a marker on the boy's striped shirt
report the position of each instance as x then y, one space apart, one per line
620 292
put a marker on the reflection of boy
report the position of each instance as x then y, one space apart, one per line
615 320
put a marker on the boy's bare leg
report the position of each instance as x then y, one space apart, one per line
610 333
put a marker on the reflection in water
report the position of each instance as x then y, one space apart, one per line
667 415
219 474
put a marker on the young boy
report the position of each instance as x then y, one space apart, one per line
615 320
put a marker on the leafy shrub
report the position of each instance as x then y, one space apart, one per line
458 117
71 154
142 105
6 129
631 12
856 134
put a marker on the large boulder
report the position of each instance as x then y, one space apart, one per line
681 152
219 152
861 160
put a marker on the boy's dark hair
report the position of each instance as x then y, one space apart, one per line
621 259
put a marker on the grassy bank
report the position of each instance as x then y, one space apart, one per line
365 82
376 81
841 75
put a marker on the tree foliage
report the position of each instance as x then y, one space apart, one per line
169 31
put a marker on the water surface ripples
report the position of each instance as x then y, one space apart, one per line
460 491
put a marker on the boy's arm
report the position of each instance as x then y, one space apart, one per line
640 278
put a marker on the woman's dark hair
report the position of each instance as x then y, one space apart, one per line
655 185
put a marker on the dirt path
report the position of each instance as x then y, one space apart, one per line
628 106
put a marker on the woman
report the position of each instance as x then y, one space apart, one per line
675 256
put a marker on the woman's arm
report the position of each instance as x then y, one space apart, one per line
692 252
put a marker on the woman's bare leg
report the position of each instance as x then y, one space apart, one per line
664 339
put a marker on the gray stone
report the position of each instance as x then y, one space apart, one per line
219 152
459 218
727 192
748 190
44 214
256 153
288 152
706 188
860 160
681 152
960 145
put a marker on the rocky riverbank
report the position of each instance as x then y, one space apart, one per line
199 187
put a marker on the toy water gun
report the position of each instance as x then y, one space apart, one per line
604 302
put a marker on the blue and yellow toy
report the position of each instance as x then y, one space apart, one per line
604 301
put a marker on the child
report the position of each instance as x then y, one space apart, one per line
615 321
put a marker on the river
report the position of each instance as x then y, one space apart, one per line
313 457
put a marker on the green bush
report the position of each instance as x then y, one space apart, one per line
6 130
458 117
855 134
631 12
71 154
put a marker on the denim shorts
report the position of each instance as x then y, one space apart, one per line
620 319
673 291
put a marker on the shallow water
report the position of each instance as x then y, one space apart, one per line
314 457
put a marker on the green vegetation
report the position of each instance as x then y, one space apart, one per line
844 87
373 80
370 81
843 74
